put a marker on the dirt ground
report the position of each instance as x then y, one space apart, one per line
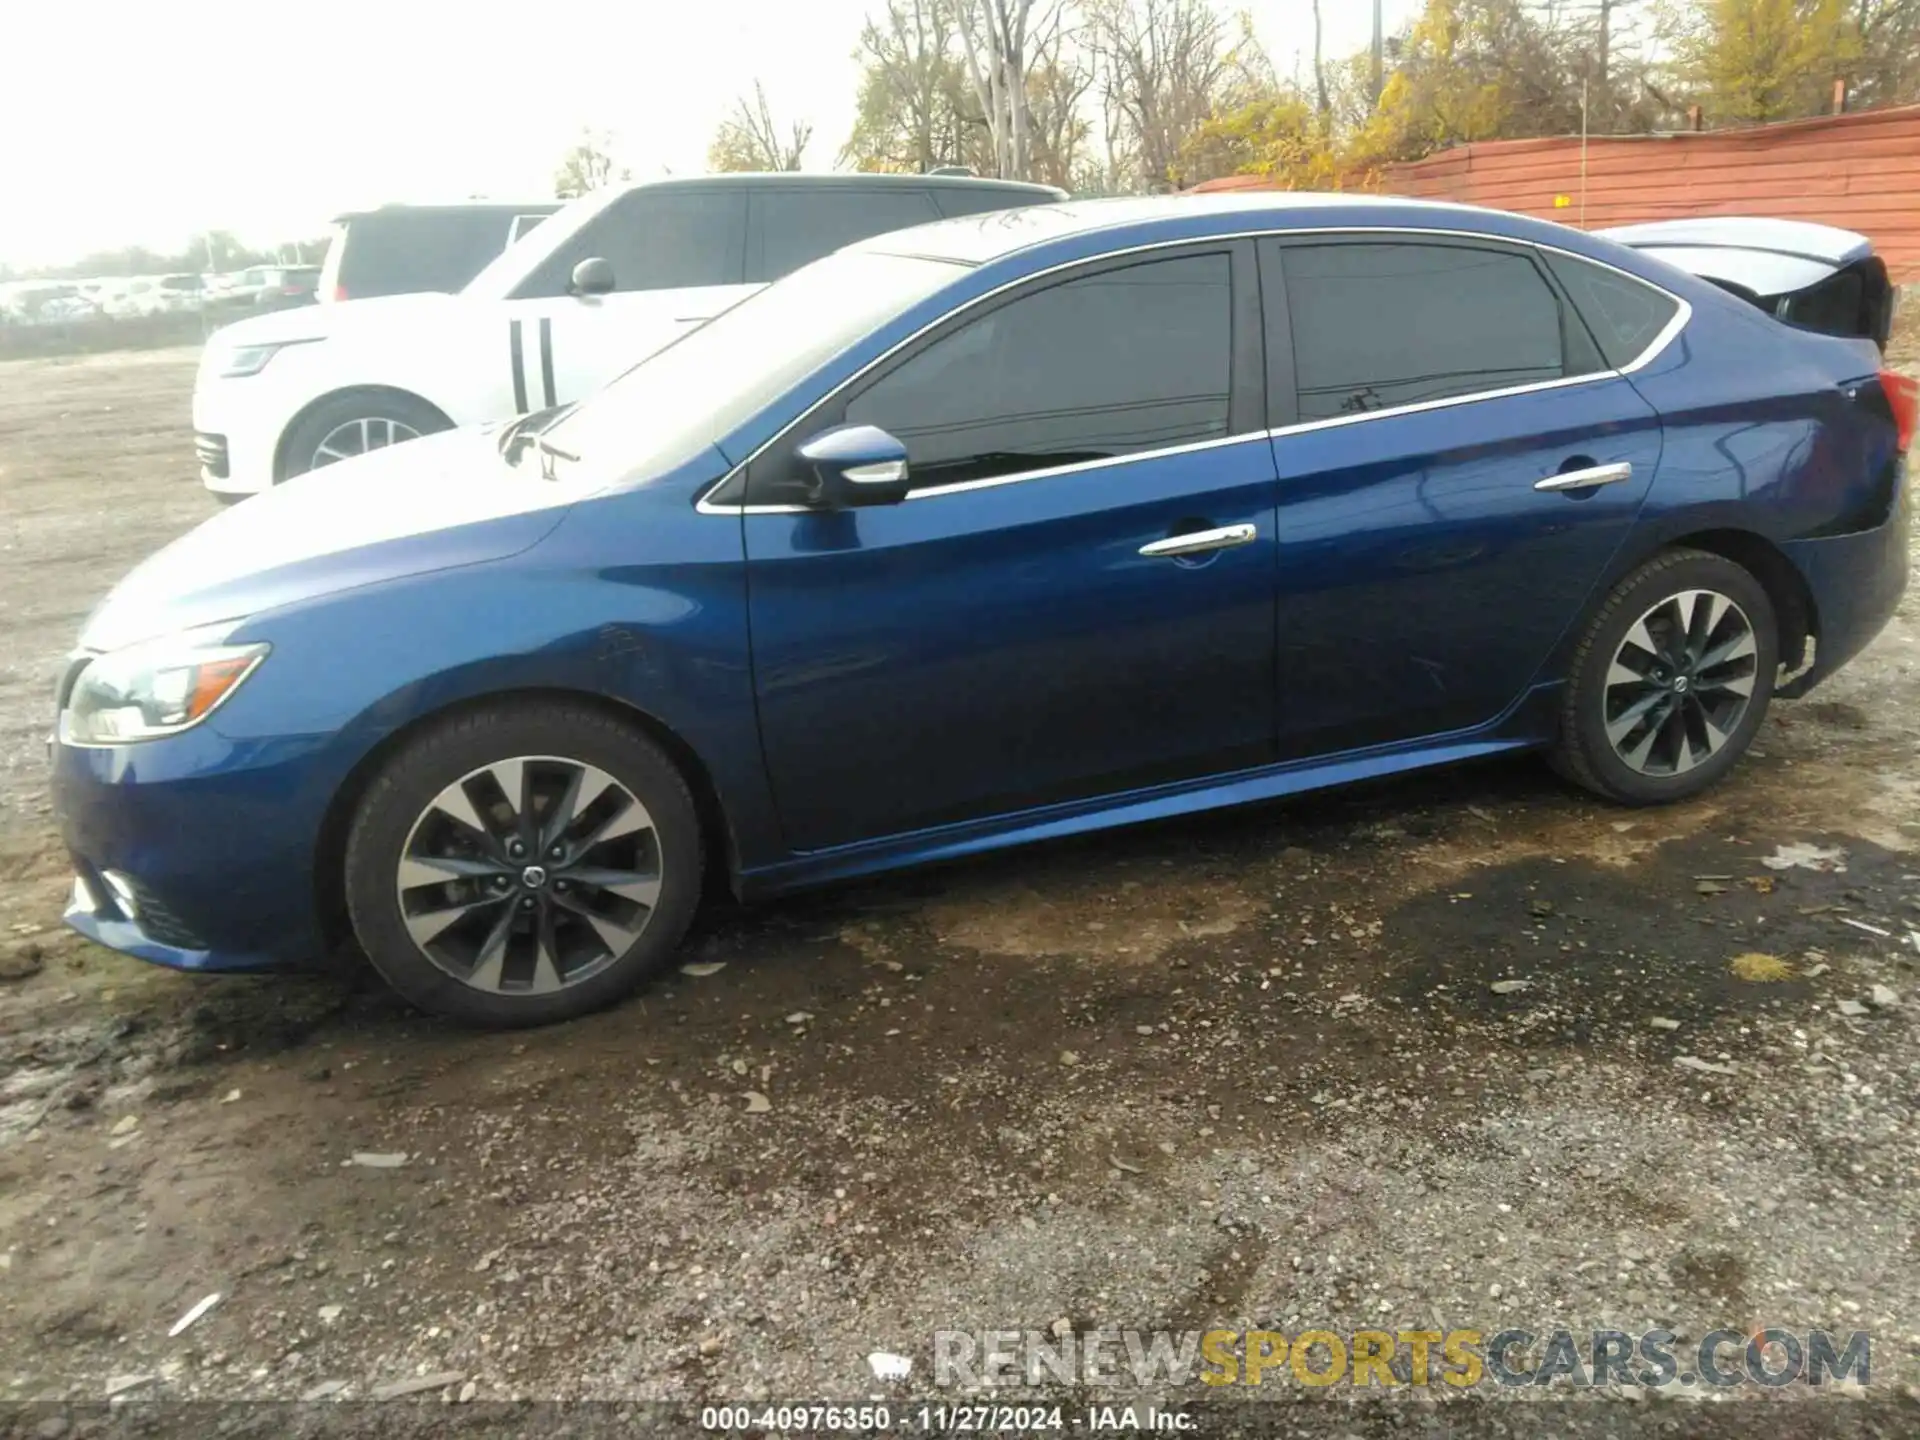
1251 1070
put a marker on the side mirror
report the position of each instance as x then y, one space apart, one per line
853 465
592 276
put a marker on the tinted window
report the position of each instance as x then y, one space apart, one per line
1124 360
1379 325
795 227
403 252
655 240
1623 314
974 199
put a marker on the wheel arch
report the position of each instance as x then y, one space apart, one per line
330 849
1795 616
295 420
1793 607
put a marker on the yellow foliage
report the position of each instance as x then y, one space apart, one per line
1276 136
1760 968
1756 60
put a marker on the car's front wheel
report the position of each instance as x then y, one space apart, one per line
523 865
1671 680
355 423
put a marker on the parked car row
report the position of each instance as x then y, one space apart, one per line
263 287
390 250
125 297
969 533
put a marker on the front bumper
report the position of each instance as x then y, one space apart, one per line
236 432
192 851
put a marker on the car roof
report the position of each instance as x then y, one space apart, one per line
847 180
473 207
979 239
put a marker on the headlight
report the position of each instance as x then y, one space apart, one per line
252 359
158 687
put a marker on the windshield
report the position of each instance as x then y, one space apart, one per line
674 404
513 264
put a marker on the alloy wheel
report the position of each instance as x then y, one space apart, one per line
1680 683
529 875
358 437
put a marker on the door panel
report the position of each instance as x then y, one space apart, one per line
999 640
566 347
1425 575
1423 578
994 649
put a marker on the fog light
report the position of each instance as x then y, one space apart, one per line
123 896
83 898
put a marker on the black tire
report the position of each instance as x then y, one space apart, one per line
406 789
1586 755
300 448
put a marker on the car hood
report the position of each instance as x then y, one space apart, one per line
314 322
427 505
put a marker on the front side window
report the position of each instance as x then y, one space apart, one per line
1124 360
1380 325
673 239
796 227
692 394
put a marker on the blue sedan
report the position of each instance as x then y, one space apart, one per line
975 534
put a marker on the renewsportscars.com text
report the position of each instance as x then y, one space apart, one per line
1460 1359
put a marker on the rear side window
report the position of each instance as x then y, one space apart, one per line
1379 325
655 240
1625 315
403 252
792 228
1120 361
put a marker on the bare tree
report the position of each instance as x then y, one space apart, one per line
1323 106
1163 65
1598 41
998 38
748 139
912 111
1886 64
1057 127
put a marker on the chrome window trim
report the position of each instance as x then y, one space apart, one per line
1334 422
960 487
1655 348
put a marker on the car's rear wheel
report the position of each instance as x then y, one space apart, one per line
1671 680
346 426
524 865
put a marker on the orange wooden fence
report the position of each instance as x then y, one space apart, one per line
1860 172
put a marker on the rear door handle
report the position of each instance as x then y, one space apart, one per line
1588 478
1199 542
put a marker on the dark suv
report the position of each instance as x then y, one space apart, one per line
407 249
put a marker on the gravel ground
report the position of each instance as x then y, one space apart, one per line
1463 1051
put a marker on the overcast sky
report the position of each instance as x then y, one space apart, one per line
124 122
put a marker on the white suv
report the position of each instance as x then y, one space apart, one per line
602 284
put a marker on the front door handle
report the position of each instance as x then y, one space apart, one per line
1586 479
1199 542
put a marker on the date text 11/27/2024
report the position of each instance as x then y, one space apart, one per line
948 1419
